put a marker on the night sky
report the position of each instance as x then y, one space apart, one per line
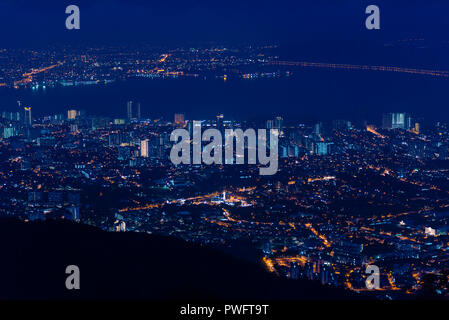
25 23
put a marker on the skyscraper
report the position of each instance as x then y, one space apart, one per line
322 148
27 118
72 114
278 124
129 110
318 129
190 127
138 111
9 132
220 121
144 148
417 128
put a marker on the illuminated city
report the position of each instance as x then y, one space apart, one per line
91 181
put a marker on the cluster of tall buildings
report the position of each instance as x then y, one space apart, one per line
398 120
15 117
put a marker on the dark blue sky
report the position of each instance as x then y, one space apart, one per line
33 23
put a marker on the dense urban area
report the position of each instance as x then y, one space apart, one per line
346 195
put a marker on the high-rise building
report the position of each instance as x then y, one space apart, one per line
190 127
220 121
144 148
9 132
119 121
278 124
72 114
398 120
318 128
28 120
270 124
129 110
179 119
387 120
340 125
11 116
322 148
417 128
138 111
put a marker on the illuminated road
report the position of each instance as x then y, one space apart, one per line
28 77
164 57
